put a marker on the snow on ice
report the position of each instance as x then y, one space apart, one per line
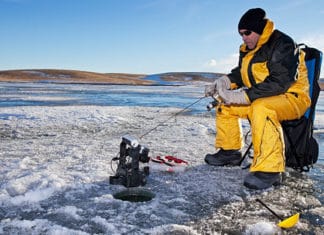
56 163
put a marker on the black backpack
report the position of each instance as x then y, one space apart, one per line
301 148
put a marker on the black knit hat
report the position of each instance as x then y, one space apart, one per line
254 20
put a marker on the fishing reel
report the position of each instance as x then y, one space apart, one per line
216 101
128 172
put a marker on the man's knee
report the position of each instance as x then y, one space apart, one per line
259 108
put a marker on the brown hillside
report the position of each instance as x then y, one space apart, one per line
71 76
321 82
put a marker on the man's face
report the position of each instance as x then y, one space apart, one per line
250 38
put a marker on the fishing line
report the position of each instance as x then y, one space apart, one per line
172 116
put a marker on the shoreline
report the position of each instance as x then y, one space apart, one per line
83 77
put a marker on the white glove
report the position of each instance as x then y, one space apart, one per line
219 84
234 97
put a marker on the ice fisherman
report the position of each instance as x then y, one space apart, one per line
268 86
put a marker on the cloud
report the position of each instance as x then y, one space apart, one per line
211 63
223 65
315 40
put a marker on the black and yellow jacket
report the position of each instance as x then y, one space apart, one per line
271 68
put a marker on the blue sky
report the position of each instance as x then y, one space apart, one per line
141 36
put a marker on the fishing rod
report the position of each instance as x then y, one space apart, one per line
172 116
216 101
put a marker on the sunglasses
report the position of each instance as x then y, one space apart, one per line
246 33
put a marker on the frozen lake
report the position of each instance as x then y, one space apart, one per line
40 94
57 142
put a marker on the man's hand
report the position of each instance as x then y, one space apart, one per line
211 90
234 97
219 84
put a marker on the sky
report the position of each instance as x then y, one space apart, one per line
142 36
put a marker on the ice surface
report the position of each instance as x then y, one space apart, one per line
56 163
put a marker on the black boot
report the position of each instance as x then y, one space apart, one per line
262 180
224 158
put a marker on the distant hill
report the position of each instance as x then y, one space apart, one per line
321 82
71 76
75 76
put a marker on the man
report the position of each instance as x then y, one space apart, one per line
272 79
